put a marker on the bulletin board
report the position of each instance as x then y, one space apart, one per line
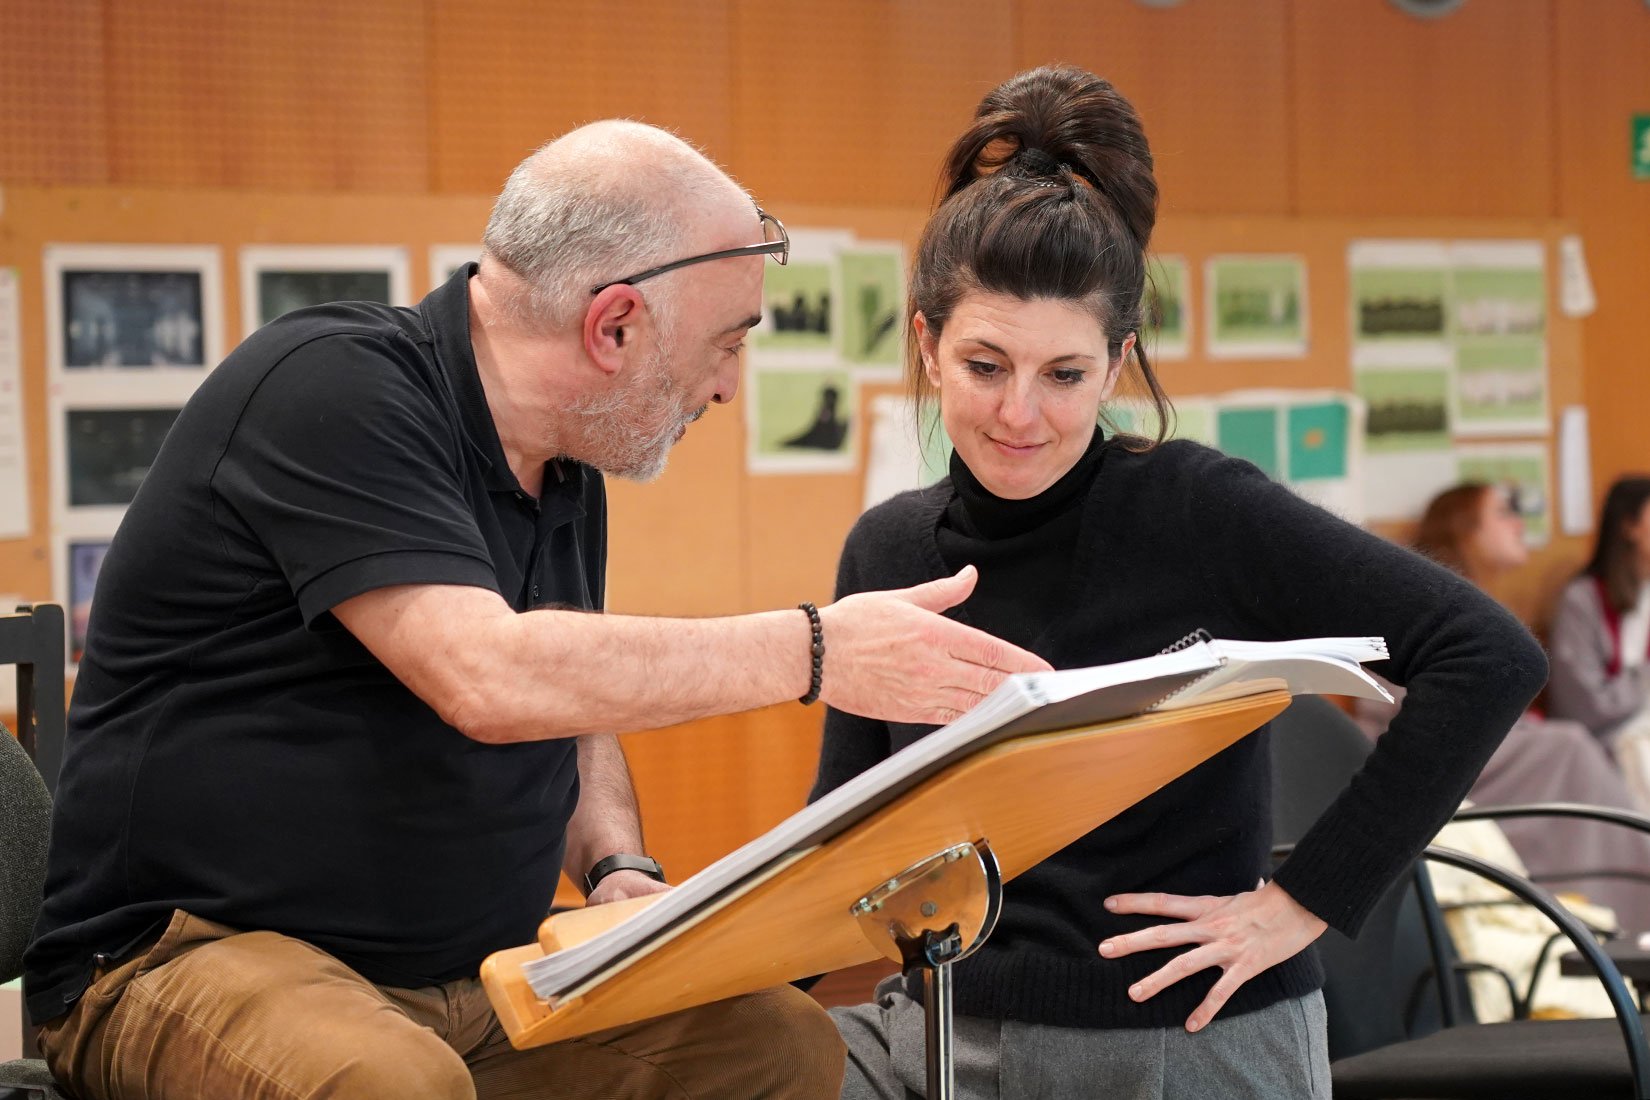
709 538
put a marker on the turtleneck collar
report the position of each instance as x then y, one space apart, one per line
995 518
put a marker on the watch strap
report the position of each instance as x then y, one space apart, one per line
622 861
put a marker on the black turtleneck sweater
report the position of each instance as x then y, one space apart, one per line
1124 555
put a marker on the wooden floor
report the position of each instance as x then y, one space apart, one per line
852 986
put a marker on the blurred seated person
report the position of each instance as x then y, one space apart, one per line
1601 635
1475 530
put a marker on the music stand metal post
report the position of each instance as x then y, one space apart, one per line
928 918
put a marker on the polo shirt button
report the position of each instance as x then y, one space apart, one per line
535 593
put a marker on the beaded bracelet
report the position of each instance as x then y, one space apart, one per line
817 651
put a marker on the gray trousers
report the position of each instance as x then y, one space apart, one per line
1278 1053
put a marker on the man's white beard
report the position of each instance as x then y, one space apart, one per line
629 433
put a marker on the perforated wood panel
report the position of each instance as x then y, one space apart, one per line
53 125
291 94
1210 80
505 77
1603 78
855 101
1397 115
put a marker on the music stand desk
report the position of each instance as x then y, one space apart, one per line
1027 798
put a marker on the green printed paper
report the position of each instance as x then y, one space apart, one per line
1524 475
1496 302
1501 383
1408 409
871 307
1318 441
1258 302
1251 434
1165 306
796 308
1391 303
803 413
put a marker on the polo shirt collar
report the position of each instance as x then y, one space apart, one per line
446 311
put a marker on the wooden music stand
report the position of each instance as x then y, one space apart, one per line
1026 798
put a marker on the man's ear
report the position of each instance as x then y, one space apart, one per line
610 322
1114 370
927 347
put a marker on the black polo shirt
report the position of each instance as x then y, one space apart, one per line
233 751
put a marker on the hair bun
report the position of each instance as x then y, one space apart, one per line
1034 162
1069 117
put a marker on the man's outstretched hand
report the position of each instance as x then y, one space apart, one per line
892 655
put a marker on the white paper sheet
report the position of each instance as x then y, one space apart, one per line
14 469
1575 472
1575 283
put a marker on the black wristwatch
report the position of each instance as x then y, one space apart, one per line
622 862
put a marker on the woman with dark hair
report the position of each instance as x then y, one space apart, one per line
1601 630
1475 530
1143 960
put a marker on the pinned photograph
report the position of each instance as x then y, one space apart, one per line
1400 291
278 279
132 308
802 420
1257 307
84 560
797 308
1500 291
1501 387
873 300
1521 470
1408 407
1167 310
109 451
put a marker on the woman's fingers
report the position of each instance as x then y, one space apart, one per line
1153 938
1181 966
1242 935
1178 906
1219 994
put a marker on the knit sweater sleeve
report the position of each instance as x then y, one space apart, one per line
1272 561
851 743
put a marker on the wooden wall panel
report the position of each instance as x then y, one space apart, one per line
855 101
1603 67
508 76
53 123
675 546
1404 116
1210 81
709 786
305 94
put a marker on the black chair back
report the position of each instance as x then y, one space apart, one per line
1381 987
33 639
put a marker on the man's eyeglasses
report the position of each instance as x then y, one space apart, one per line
775 242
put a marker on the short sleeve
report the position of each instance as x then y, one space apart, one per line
344 468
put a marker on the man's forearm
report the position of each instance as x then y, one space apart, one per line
607 820
563 673
499 676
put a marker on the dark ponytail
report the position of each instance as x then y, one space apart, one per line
1049 194
1613 562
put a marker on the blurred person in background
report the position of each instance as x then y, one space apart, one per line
1601 634
1476 530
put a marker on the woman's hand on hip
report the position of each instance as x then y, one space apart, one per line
1243 935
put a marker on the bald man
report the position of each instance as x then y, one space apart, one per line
345 711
